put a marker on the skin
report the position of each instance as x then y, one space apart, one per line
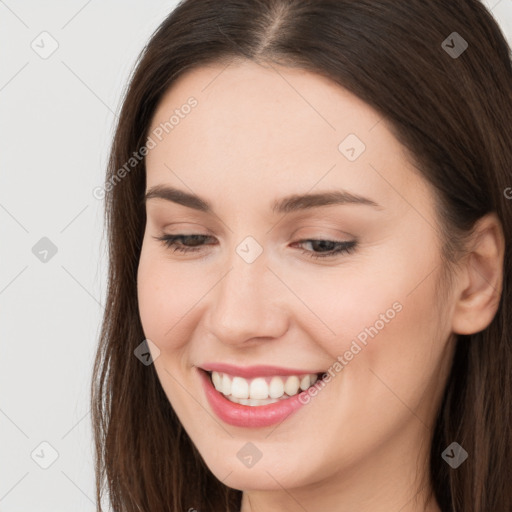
258 133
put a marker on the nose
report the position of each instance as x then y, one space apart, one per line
247 303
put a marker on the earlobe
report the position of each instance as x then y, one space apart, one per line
481 278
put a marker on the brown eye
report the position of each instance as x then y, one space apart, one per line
328 248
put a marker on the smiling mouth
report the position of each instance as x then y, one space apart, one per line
262 390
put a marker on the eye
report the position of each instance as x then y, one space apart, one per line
171 241
328 248
332 247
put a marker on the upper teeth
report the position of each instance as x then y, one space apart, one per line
261 387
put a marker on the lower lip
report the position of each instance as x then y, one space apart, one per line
245 415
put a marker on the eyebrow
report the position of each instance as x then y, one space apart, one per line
286 204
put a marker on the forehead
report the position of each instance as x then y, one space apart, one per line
270 127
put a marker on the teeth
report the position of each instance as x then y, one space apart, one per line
276 388
239 388
291 385
253 402
225 387
261 390
258 389
217 380
305 382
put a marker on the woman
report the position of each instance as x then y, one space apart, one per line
309 221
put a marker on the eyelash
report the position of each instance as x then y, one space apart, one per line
343 247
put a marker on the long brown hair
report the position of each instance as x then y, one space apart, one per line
453 113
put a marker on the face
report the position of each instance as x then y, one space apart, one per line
342 286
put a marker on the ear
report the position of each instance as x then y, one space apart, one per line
481 277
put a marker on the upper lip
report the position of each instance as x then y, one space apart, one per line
249 372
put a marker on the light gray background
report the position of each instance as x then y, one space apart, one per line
57 116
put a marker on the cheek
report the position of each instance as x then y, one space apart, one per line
393 349
167 293
339 305
376 318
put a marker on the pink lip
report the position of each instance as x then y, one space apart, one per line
245 415
249 372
